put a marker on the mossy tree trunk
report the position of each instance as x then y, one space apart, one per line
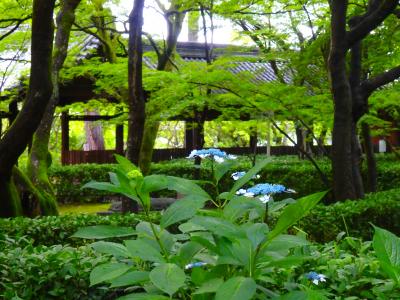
39 156
174 19
16 139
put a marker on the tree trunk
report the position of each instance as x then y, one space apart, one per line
148 141
21 131
136 97
343 187
372 176
39 156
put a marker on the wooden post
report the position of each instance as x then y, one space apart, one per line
64 137
189 146
119 139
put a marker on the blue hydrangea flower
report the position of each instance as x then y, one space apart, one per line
264 191
216 154
238 175
315 277
195 265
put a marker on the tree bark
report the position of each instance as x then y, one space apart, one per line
343 187
136 97
39 156
21 131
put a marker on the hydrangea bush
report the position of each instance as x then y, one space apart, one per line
223 253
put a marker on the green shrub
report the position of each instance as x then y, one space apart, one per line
68 180
382 209
287 170
55 272
57 230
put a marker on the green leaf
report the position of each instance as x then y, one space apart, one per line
239 205
236 288
107 272
115 249
256 233
387 249
103 186
143 296
168 278
221 169
143 250
103 232
294 212
210 286
124 164
218 226
130 278
248 176
182 209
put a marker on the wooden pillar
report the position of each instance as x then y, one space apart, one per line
64 138
119 139
189 145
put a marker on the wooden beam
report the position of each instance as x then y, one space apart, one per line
119 139
64 131
94 117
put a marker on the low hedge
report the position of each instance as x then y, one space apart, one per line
57 230
44 273
354 217
289 171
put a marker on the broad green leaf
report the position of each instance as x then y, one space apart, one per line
124 164
115 249
187 251
210 286
168 278
143 250
187 187
236 288
387 249
294 212
256 233
218 226
221 169
107 272
239 205
103 232
103 186
308 294
143 296
130 278
182 209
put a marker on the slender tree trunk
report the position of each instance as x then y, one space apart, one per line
39 156
21 131
136 97
150 127
343 187
372 174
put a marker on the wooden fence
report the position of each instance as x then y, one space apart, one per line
72 157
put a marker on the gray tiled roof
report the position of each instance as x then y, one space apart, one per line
245 60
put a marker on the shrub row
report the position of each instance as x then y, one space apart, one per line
382 209
289 171
42 273
57 230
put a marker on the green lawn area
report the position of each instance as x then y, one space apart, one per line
86 208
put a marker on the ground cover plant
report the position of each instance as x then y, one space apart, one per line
233 242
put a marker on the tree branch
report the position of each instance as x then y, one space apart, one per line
372 84
370 21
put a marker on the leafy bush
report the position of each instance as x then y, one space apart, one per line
43 273
287 170
354 217
68 180
53 230
227 251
